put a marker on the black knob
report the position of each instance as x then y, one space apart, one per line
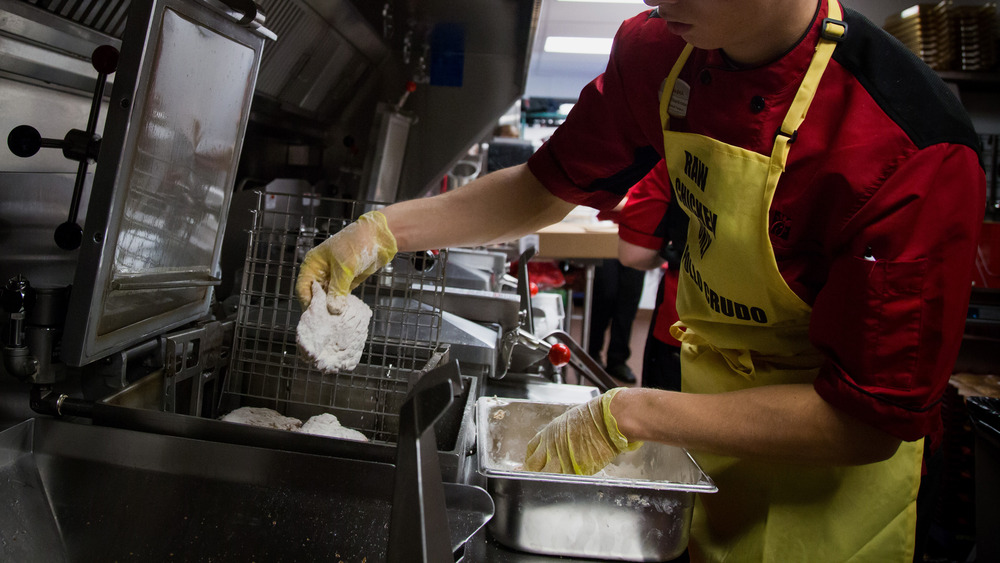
105 59
69 235
24 141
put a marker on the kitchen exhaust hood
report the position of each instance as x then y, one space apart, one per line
338 64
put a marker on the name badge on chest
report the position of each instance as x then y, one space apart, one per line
678 105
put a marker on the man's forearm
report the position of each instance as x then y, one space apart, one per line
498 207
785 423
638 257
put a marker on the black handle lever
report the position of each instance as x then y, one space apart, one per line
248 9
81 146
25 141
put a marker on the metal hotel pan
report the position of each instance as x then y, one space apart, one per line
637 509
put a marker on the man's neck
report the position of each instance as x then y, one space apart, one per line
780 37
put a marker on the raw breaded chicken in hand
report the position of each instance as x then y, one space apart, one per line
334 341
334 324
581 441
343 261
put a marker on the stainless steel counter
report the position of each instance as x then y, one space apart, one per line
179 495
89 493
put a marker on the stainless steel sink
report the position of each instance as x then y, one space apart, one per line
77 492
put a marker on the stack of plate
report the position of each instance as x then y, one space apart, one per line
974 30
925 30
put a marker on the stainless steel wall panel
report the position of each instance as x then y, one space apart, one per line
29 60
50 111
31 207
48 49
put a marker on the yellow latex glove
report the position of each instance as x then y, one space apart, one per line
343 261
582 440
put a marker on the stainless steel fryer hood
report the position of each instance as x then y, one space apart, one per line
336 61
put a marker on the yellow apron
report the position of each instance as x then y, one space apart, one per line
742 326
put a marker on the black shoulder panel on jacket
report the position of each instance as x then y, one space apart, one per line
644 160
909 92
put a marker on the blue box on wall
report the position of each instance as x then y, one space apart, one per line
447 54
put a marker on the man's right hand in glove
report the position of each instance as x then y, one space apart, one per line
582 440
343 261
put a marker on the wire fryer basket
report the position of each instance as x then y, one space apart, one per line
268 369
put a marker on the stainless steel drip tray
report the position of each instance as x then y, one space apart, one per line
88 493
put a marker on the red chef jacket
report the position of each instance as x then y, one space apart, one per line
885 168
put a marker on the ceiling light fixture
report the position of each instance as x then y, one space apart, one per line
578 45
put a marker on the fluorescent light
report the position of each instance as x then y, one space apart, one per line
579 45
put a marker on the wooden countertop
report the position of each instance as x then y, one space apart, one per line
578 240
